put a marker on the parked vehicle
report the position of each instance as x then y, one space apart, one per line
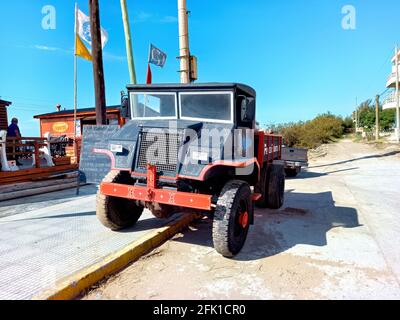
294 159
157 163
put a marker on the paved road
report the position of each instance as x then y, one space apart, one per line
337 237
48 237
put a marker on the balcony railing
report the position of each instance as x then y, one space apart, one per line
389 100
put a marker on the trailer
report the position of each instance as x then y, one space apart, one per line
186 148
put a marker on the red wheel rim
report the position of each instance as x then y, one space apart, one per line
244 219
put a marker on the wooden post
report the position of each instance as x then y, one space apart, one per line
14 149
75 79
37 154
356 115
97 55
377 118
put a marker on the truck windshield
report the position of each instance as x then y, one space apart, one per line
153 105
206 106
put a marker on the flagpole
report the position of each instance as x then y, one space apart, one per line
75 82
128 42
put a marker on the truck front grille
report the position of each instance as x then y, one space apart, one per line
160 149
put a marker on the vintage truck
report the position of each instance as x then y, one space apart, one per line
190 148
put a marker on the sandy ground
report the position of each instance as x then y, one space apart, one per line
337 237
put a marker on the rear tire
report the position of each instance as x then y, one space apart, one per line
117 213
271 187
232 218
276 186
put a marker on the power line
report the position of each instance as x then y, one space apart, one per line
31 102
13 98
386 90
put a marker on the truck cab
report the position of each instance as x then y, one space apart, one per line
179 119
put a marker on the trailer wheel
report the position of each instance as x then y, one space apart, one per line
271 187
291 173
232 218
117 213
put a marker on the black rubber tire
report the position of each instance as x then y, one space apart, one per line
276 186
117 213
291 173
271 187
228 236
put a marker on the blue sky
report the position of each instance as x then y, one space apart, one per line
295 53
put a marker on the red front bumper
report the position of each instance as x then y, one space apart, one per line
164 196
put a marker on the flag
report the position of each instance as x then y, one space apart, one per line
149 76
157 57
81 50
84 30
83 34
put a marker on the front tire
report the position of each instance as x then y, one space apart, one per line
117 213
232 217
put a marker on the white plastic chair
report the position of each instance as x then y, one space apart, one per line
3 153
46 152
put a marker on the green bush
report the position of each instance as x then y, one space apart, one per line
348 124
367 116
387 119
310 134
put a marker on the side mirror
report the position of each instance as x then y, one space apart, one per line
248 108
125 107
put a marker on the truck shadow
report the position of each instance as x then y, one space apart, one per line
304 220
311 174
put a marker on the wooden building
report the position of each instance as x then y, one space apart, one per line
3 114
61 123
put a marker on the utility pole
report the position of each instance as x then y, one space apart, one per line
97 55
397 96
356 115
377 118
128 42
184 52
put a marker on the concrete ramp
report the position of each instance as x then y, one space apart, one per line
52 238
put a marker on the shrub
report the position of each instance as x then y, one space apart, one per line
310 134
367 116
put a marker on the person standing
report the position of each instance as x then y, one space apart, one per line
13 129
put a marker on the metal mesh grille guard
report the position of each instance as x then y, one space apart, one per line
160 149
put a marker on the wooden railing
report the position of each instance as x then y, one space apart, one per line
25 147
29 147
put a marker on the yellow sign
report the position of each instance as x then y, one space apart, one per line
60 127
